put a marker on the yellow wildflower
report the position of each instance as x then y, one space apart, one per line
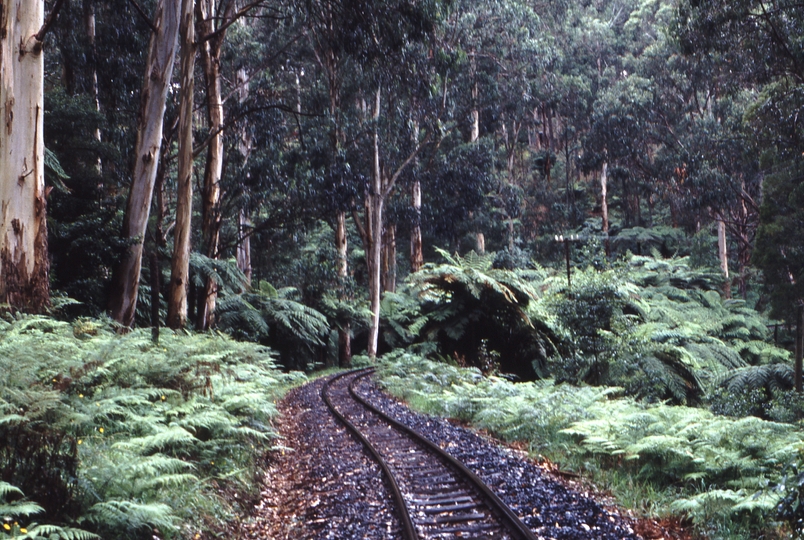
81 396
100 429
80 441
6 526
24 530
163 398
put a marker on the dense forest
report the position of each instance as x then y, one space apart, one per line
593 205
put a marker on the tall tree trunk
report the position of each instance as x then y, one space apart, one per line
180 263
416 250
604 204
344 330
89 24
244 147
158 71
389 259
207 12
374 209
723 255
24 265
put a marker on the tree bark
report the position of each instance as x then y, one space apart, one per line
374 208
211 212
723 255
416 249
180 263
89 24
244 223
24 265
389 259
158 71
604 205
244 245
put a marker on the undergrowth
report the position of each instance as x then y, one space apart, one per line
119 436
726 474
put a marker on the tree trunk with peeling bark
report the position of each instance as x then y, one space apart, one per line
24 267
158 71
207 12
180 263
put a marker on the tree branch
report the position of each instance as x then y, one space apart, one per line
401 168
229 20
51 18
145 17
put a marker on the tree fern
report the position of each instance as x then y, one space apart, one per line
465 301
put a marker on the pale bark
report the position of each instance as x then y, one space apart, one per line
244 245
24 263
244 223
604 203
382 184
474 134
389 259
481 243
180 263
375 203
416 250
89 24
723 255
210 51
158 71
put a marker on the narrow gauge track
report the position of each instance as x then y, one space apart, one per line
436 496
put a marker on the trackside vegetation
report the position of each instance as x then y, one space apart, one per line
674 398
105 435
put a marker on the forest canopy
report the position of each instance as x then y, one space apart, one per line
598 193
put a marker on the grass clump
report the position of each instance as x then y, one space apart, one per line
726 474
121 436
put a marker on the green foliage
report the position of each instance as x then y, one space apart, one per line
717 470
466 301
131 436
658 328
273 316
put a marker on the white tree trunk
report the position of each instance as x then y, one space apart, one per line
416 249
24 264
158 71
180 263
375 203
723 255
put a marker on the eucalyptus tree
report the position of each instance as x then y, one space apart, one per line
180 262
24 265
156 82
757 47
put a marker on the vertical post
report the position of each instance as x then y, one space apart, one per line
799 345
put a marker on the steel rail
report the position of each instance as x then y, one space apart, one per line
511 520
408 529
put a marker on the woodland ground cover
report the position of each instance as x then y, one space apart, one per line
122 437
727 474
672 396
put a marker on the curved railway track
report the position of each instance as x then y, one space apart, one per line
436 496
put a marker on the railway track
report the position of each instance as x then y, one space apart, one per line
436 496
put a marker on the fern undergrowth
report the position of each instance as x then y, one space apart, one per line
727 474
115 435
